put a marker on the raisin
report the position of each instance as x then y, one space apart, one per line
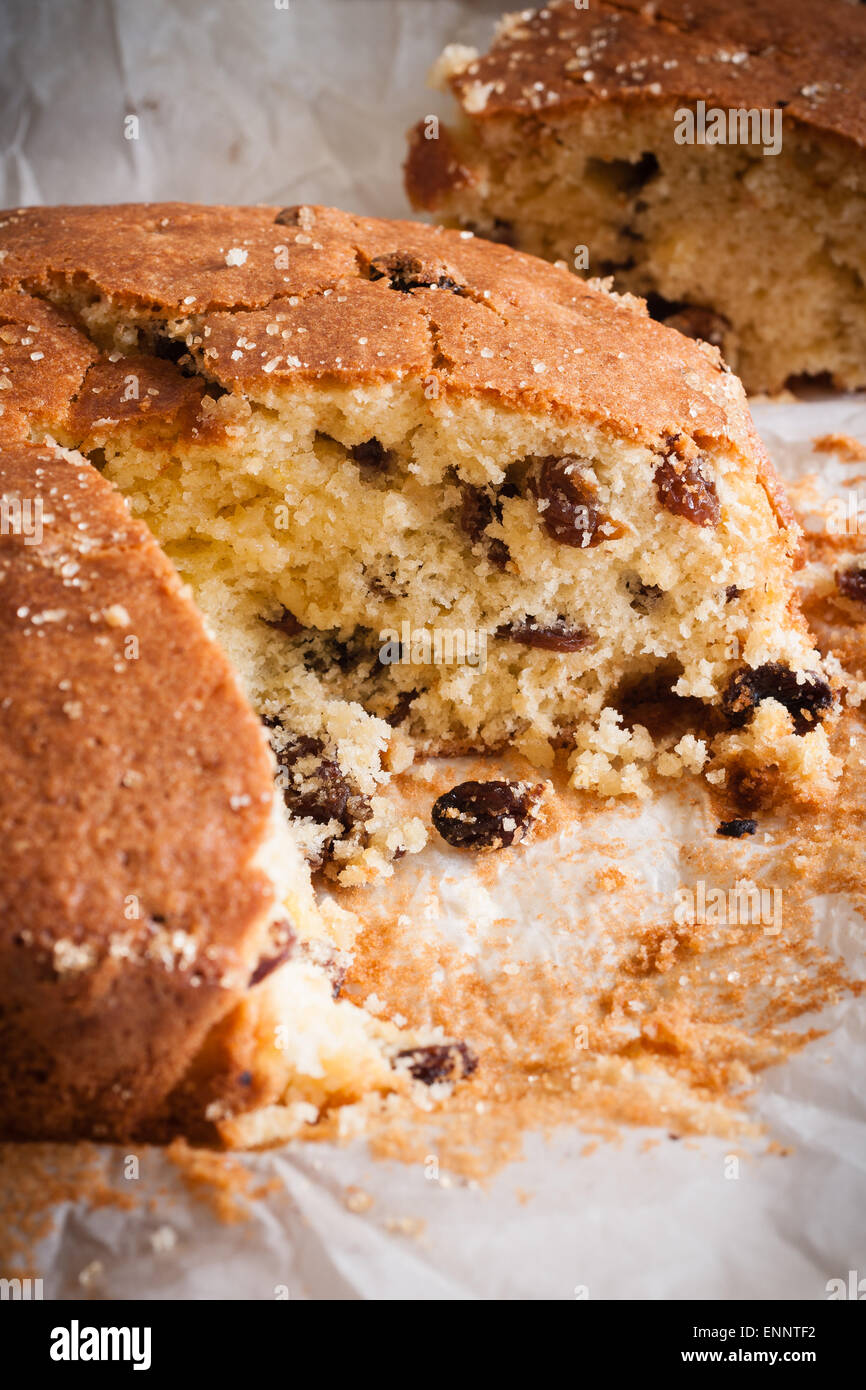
284 942
556 637
315 786
806 702
736 829
439 1062
400 713
685 490
570 514
478 511
405 273
851 583
731 593
487 815
372 454
327 650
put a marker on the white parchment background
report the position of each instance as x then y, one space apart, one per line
242 101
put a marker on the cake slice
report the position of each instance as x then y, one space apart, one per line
710 157
432 495
164 967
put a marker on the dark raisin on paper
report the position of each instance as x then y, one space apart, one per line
806 701
405 272
568 503
851 583
555 637
736 829
487 815
438 1062
684 489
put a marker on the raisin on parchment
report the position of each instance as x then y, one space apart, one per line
736 829
487 815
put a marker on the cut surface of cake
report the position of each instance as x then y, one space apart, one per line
353 437
257 466
710 157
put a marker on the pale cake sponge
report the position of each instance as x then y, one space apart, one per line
347 432
565 146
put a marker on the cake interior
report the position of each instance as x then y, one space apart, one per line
331 533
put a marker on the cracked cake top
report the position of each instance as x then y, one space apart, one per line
264 299
806 58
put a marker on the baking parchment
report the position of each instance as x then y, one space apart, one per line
257 101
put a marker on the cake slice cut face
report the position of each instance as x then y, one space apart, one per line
711 157
431 495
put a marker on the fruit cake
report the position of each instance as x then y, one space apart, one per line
250 457
710 157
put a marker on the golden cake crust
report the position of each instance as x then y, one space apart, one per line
135 793
303 307
808 59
